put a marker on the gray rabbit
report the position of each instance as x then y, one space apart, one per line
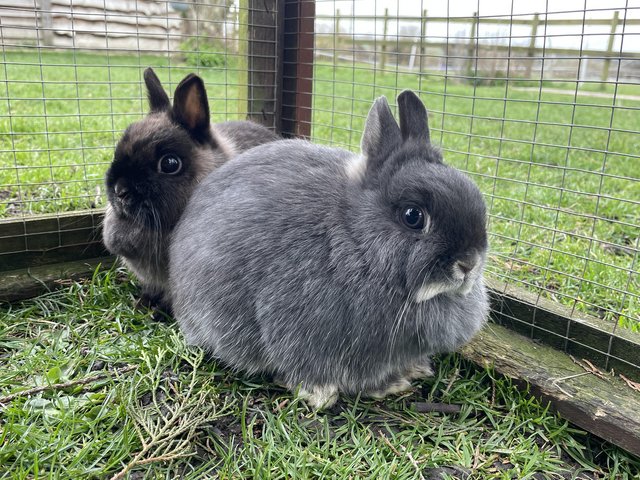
330 271
157 164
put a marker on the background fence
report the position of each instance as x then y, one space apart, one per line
539 106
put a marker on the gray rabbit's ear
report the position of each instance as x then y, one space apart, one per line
381 132
158 98
191 107
414 123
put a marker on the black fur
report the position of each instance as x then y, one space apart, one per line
144 203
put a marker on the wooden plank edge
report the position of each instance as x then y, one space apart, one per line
565 329
605 407
30 282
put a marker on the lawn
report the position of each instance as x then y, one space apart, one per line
564 221
122 395
113 392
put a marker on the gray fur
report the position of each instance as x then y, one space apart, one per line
138 227
285 262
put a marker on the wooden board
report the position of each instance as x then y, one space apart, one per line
585 336
31 282
48 239
608 408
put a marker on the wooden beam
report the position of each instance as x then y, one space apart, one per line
297 67
558 326
488 20
520 52
261 62
48 239
30 282
606 407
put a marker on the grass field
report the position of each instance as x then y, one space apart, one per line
121 395
564 221
92 388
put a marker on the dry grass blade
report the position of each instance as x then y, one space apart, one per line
167 435
631 384
407 454
590 367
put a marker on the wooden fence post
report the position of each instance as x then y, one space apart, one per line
607 60
46 24
260 32
471 50
336 37
532 45
243 64
296 81
383 57
423 34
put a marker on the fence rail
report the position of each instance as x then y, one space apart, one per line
474 47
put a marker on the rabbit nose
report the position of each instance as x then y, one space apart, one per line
121 190
466 266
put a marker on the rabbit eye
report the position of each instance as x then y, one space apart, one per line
169 164
413 218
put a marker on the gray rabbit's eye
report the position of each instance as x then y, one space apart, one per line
413 217
169 164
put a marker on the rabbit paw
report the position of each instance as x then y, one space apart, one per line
419 370
160 308
399 385
319 396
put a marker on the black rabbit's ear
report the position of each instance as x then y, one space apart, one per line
381 132
158 98
191 108
413 117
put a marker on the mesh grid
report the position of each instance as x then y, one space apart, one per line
72 81
538 102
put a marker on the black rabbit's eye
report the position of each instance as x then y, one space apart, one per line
170 164
413 217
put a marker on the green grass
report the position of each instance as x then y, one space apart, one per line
61 115
111 379
170 412
558 226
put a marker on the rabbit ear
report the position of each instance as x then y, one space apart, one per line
191 108
381 132
413 117
158 98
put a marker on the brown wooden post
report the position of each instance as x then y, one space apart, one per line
471 50
243 63
296 81
532 45
607 60
262 47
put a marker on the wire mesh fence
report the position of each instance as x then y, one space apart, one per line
537 102
72 81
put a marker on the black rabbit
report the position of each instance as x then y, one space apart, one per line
157 164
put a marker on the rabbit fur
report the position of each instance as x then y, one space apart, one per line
146 197
331 271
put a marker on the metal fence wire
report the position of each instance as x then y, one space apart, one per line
537 101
